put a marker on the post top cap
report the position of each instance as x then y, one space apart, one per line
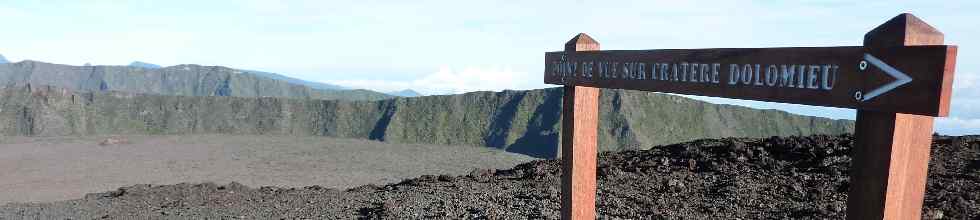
905 29
581 38
581 42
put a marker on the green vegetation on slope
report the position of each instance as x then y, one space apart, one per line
526 122
181 80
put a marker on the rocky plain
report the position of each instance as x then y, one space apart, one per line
803 177
46 169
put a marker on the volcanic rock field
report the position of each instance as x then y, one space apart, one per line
749 178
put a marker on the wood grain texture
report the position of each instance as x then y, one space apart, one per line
891 150
580 113
888 170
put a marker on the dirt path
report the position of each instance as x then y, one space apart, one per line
62 168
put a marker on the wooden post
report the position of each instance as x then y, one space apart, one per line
891 150
580 113
899 80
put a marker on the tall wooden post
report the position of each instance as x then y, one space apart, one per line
891 151
580 113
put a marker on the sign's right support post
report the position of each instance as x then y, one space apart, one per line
891 150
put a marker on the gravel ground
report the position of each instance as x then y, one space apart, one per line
62 168
772 178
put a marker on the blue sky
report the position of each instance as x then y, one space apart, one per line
440 47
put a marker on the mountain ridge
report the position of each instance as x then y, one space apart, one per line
525 122
311 84
184 79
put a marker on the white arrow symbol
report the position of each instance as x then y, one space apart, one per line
900 78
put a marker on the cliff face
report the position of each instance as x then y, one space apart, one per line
181 80
526 122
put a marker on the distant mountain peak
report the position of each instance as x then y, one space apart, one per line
3 59
406 93
276 76
144 65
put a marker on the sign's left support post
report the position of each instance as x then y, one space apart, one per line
580 127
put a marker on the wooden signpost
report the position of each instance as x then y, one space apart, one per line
898 81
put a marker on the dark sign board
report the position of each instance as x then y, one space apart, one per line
907 79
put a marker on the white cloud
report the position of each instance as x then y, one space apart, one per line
266 6
11 13
964 112
451 81
958 126
966 81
